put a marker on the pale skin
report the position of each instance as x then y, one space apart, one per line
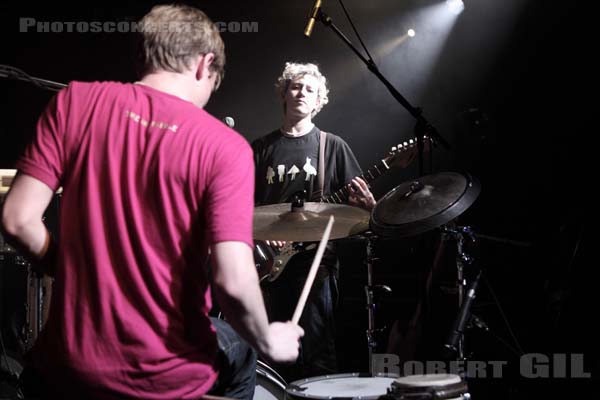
235 278
300 100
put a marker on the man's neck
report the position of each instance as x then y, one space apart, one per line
175 84
297 127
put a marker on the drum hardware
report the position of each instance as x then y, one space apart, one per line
465 292
296 223
424 204
269 384
370 291
306 222
39 292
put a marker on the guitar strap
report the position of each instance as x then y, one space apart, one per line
322 163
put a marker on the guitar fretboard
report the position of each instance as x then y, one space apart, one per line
341 195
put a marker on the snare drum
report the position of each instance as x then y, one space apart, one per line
269 384
430 386
343 386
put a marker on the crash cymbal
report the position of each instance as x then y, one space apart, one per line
425 203
307 223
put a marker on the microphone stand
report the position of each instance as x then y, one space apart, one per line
422 127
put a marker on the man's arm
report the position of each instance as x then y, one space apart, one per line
239 295
22 223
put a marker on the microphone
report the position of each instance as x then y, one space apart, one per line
229 122
463 316
311 18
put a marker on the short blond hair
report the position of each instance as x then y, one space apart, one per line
293 71
172 35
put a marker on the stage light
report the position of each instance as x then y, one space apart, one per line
455 6
411 33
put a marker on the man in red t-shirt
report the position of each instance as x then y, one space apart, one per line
151 183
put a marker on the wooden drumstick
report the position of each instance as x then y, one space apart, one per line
313 272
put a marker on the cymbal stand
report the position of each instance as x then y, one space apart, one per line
461 234
370 291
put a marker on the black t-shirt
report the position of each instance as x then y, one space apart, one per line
286 165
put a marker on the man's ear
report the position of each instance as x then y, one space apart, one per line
204 63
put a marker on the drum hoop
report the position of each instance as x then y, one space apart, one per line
295 388
264 370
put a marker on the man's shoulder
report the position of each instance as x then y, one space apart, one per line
333 139
97 85
82 91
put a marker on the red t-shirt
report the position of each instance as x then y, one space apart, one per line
149 182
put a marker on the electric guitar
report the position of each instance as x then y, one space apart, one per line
270 262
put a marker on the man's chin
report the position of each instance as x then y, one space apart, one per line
299 113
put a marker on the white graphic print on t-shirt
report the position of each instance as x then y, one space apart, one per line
308 168
270 175
293 171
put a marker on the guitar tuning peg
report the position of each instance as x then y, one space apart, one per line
411 141
405 144
394 148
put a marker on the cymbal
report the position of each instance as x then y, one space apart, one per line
425 203
307 223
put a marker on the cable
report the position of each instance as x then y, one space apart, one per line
489 286
7 71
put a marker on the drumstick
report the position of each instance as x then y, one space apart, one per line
313 272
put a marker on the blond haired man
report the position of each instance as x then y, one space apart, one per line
292 151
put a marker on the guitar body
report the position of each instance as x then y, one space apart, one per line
270 262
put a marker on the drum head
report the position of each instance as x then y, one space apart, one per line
427 380
423 204
341 386
436 386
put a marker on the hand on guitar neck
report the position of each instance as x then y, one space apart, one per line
360 195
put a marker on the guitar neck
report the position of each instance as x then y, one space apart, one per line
341 195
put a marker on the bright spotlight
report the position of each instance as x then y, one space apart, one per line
455 6
411 33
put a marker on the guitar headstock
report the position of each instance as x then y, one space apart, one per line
404 153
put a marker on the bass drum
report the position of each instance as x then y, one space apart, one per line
269 384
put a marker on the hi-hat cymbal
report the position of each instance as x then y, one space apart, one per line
425 203
307 224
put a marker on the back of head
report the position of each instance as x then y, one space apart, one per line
172 35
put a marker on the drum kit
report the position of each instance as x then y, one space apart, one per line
414 207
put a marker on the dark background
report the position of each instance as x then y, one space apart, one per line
506 84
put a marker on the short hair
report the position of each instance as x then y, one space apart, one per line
172 35
293 71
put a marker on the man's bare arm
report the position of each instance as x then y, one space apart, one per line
22 214
239 296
